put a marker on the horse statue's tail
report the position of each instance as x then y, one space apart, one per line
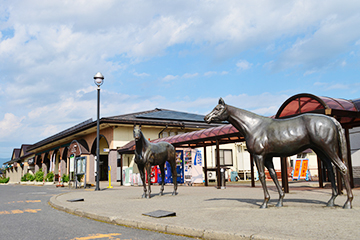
342 139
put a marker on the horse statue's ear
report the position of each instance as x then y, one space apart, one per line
221 101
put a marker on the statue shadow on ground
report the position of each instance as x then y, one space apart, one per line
258 202
159 195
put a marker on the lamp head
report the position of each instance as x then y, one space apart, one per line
98 79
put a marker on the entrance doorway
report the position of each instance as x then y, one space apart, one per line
103 155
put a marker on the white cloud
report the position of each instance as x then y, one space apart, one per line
141 74
169 78
9 124
243 65
265 104
210 73
190 75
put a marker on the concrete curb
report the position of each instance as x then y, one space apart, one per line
163 228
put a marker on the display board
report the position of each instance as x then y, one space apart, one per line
300 169
196 170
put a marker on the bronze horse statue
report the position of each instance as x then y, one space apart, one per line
149 154
267 138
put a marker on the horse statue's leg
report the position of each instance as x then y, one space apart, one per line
172 162
259 161
162 171
270 166
327 163
345 174
142 175
148 170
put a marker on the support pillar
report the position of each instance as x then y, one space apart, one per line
349 160
320 173
218 179
205 167
339 182
252 171
284 175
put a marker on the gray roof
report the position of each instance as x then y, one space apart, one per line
156 117
172 115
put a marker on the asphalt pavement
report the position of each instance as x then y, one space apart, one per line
231 213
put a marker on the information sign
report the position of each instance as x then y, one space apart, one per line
72 163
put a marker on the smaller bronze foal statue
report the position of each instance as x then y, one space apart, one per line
149 154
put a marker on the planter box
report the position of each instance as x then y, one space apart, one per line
49 183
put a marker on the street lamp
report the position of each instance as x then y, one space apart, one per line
98 79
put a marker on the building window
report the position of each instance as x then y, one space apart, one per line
225 157
301 155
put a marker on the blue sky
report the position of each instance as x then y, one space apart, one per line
167 54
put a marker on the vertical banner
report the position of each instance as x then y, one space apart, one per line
301 169
297 169
304 168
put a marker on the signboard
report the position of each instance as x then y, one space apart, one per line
80 165
197 171
72 163
300 169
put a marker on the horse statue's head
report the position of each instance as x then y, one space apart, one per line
137 132
218 114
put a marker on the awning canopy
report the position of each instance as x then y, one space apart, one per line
206 137
345 111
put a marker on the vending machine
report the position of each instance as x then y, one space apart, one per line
187 166
154 174
180 166
168 175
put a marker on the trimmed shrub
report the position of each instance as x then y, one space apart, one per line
30 177
49 177
65 178
4 180
39 175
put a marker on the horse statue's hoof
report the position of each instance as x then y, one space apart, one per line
279 204
161 193
144 195
330 203
347 205
174 193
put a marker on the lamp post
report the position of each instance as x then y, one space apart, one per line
98 79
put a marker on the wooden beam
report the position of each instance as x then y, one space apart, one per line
205 168
218 165
349 160
320 173
284 175
252 171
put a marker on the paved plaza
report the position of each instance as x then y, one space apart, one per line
231 213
